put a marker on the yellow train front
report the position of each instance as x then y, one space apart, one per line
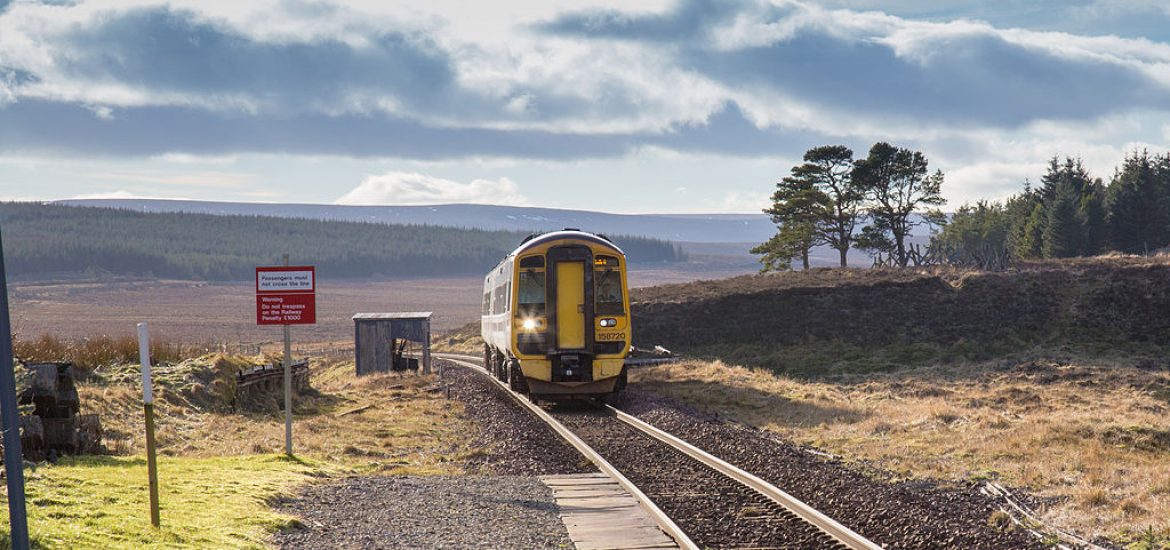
556 316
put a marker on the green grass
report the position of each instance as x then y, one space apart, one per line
102 502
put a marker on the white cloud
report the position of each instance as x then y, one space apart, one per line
413 188
513 80
989 180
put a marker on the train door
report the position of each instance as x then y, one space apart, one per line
570 289
571 305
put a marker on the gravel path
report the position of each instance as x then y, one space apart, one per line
908 515
503 506
497 512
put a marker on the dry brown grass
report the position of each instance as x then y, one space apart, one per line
405 429
465 339
90 353
1091 438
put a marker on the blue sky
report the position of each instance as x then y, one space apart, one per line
631 106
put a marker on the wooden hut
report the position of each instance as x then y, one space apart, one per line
376 335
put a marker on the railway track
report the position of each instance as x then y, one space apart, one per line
696 498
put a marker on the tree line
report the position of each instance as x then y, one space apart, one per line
872 204
45 238
1070 214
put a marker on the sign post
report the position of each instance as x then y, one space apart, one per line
288 401
13 457
148 410
286 295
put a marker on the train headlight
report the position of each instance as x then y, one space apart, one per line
608 323
529 324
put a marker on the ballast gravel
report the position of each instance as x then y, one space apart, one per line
497 512
920 515
514 441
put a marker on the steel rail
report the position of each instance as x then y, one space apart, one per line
841 533
664 522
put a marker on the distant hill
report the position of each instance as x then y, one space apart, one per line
699 228
49 238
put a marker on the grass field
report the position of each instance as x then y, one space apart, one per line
102 501
1088 437
220 471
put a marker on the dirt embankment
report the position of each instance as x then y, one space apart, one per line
877 319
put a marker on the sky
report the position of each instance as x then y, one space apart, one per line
633 106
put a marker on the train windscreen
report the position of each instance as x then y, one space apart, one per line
609 292
531 293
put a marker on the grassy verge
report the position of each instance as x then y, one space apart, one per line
102 502
218 469
387 423
1087 436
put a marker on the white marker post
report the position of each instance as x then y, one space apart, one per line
148 409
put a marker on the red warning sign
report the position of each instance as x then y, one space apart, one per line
286 295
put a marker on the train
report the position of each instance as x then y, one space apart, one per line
556 317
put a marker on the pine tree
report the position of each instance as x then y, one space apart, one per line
1027 215
797 206
818 203
792 241
1074 218
829 169
1063 231
1093 218
898 185
1034 228
1139 218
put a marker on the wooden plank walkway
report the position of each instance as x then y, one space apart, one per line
600 515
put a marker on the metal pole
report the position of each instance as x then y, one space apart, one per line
148 410
10 420
288 447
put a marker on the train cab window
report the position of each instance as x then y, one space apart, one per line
487 303
608 285
531 292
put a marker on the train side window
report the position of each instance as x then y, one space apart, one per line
487 303
498 303
608 296
532 293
